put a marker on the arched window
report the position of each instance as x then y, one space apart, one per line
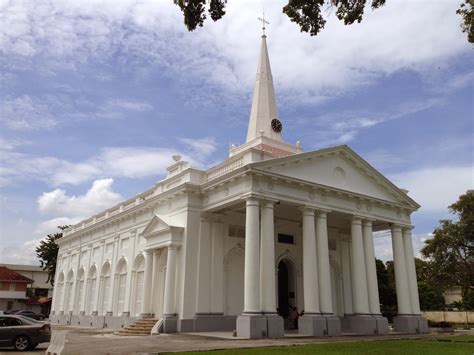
80 291
121 277
91 288
58 301
104 290
68 300
138 281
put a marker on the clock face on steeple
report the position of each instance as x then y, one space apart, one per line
276 125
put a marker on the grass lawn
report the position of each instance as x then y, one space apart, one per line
442 345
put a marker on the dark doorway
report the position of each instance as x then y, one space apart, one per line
283 289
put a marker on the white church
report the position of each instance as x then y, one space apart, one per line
238 246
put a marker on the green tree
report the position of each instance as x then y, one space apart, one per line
466 10
309 14
47 252
387 294
430 295
451 250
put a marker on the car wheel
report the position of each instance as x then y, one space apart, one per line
22 343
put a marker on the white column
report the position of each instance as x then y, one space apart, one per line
360 301
169 304
147 283
310 265
324 269
252 263
217 274
401 280
98 280
113 278
411 270
346 275
86 281
204 268
130 278
370 268
267 259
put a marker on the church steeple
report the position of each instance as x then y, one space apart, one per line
264 108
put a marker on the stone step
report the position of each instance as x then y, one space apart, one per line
141 327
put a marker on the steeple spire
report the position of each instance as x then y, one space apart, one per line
264 108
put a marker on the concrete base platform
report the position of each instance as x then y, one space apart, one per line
382 325
410 324
251 326
361 324
213 323
319 325
170 325
275 326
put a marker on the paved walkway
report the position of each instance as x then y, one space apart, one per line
94 341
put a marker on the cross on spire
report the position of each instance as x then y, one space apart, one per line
262 19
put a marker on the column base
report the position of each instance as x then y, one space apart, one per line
382 324
209 322
146 315
252 326
170 325
364 324
275 326
109 314
410 324
318 325
125 314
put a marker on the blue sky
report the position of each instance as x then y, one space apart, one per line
96 96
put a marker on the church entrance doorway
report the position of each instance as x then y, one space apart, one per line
286 292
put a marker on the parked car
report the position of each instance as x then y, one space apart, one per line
30 314
11 311
23 333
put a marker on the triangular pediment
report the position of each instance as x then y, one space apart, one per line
158 225
340 168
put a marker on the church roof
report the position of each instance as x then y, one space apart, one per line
346 151
264 107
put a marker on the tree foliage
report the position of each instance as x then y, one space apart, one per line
309 15
387 294
47 252
430 295
451 250
466 10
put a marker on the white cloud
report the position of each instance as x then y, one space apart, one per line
382 159
129 105
100 196
436 188
126 162
200 147
342 127
383 244
20 254
25 113
51 225
410 35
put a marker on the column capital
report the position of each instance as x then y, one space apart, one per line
173 246
356 219
251 200
407 228
268 203
307 210
396 227
368 221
